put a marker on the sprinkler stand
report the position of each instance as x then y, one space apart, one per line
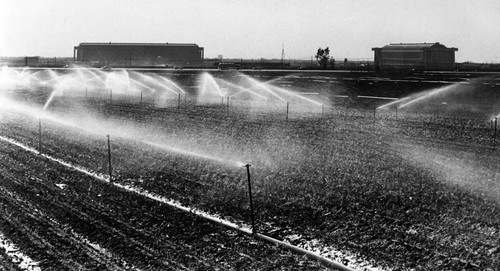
496 120
254 230
109 161
287 107
40 135
179 102
140 102
495 134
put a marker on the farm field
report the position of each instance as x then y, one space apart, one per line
414 189
65 220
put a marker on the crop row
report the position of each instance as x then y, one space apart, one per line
341 178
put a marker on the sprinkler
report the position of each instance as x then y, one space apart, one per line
254 230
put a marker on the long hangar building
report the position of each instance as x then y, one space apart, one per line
419 56
139 54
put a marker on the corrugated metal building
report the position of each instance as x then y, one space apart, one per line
139 54
418 56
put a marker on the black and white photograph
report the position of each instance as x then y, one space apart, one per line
349 135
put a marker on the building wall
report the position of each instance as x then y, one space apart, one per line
414 56
140 55
401 58
440 59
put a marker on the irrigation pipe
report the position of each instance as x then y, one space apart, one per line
326 262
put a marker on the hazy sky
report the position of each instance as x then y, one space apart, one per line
253 28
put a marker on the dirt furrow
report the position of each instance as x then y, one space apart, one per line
92 220
114 219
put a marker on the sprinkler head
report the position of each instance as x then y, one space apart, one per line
247 165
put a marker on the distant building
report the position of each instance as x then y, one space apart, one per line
139 54
418 56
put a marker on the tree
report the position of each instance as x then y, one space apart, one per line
323 56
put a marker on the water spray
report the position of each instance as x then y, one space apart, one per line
249 91
378 97
173 84
265 88
427 95
299 95
49 100
254 230
211 80
396 100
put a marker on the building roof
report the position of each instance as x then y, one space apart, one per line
135 44
414 46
